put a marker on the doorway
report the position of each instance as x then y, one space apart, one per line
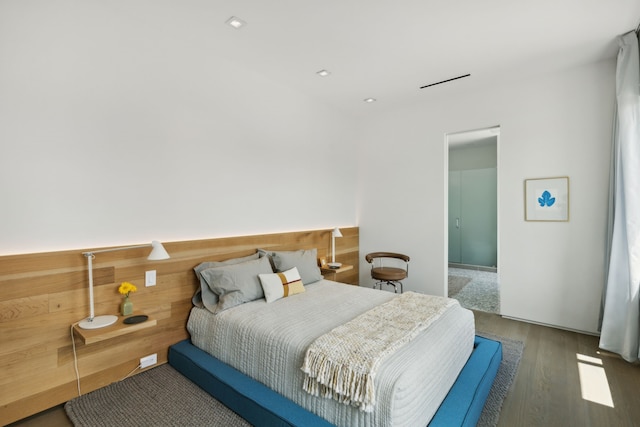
472 219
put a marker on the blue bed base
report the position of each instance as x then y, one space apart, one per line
262 406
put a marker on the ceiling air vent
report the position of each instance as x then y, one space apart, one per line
445 81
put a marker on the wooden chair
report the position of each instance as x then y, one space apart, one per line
391 276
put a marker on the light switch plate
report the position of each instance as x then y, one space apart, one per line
150 278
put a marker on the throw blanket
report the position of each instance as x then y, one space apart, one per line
342 364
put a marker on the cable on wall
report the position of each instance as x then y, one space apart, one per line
75 359
130 373
75 362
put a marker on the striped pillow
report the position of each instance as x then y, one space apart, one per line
281 285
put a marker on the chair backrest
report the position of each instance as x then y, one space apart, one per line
373 255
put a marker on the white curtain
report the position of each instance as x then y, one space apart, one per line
620 330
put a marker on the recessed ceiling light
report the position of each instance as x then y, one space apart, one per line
323 73
236 23
370 100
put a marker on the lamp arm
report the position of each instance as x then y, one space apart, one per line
90 257
116 249
157 253
333 248
93 322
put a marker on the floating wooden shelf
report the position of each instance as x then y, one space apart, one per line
332 273
343 267
91 336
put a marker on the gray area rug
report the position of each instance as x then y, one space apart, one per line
158 397
163 397
511 355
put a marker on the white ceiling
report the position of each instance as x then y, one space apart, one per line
387 49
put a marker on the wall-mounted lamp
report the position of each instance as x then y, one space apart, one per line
96 322
335 233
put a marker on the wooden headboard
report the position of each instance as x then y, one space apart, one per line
42 295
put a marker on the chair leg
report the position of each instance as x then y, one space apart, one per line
395 287
389 283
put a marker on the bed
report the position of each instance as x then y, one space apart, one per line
265 343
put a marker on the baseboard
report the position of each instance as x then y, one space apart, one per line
533 322
473 267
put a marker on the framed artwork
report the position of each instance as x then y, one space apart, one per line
546 199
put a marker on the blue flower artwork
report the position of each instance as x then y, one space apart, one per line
546 200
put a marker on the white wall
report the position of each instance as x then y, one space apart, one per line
557 124
122 126
117 128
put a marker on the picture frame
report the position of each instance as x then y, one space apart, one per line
546 199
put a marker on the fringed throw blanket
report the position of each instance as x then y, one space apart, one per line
342 364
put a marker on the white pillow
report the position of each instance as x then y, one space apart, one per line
281 285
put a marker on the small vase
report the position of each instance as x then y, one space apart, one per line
126 307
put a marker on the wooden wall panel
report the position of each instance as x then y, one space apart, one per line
42 295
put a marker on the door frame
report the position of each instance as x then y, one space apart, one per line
489 131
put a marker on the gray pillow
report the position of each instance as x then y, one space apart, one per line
204 296
306 261
236 284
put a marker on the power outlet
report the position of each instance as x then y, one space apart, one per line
150 278
147 361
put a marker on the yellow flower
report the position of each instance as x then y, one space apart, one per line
126 288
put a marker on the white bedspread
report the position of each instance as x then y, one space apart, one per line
268 342
342 364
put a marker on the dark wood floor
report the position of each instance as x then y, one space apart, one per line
548 389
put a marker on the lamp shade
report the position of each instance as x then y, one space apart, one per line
336 232
158 252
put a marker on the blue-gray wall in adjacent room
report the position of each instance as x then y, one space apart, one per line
473 225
